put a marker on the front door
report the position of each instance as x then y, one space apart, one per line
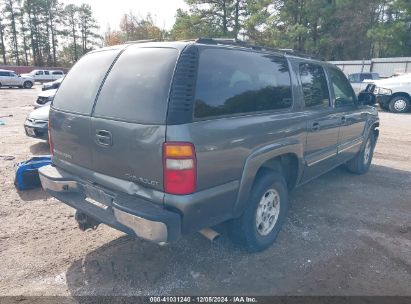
322 121
352 119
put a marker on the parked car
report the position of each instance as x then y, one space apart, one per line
52 85
44 98
394 94
359 81
11 79
219 131
44 75
36 124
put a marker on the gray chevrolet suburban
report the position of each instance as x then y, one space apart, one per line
163 139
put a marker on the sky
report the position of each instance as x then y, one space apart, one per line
109 12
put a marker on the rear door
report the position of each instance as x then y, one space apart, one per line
71 109
128 125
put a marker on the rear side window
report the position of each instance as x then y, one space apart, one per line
138 85
57 73
314 85
231 82
365 76
4 74
79 89
343 92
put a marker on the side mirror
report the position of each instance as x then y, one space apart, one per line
367 98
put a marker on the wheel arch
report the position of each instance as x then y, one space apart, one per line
286 158
401 94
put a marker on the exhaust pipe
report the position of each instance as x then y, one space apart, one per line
210 234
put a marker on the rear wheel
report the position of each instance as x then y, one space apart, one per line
362 162
399 104
27 84
264 216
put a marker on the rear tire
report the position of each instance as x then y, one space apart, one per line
258 227
399 104
361 163
27 84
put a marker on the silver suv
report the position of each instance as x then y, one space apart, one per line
11 79
163 139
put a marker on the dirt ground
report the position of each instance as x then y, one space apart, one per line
345 234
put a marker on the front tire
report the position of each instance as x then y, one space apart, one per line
399 104
361 163
27 84
261 222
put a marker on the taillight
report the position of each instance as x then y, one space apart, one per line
180 168
50 140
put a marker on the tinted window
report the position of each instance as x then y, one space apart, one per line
138 85
343 92
365 76
78 91
57 73
39 73
230 82
46 73
314 85
354 78
4 74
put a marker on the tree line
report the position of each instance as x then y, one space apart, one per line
45 32
331 29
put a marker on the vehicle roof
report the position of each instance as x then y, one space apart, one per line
1 70
223 43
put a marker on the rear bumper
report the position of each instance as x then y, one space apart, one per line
126 213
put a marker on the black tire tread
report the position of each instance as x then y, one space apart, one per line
356 165
241 230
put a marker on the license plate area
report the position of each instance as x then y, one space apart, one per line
98 197
30 131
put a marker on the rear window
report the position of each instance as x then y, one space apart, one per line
234 82
79 89
137 88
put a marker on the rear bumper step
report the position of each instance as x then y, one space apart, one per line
123 212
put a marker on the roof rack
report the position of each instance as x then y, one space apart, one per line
140 41
240 43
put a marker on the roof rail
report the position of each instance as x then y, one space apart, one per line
240 43
140 41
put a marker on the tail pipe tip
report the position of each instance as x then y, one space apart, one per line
210 234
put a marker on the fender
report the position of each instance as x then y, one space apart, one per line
260 156
369 127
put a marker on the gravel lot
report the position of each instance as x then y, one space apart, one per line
345 234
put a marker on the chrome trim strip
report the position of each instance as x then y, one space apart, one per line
321 159
351 145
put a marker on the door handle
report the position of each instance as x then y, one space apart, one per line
104 138
315 126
